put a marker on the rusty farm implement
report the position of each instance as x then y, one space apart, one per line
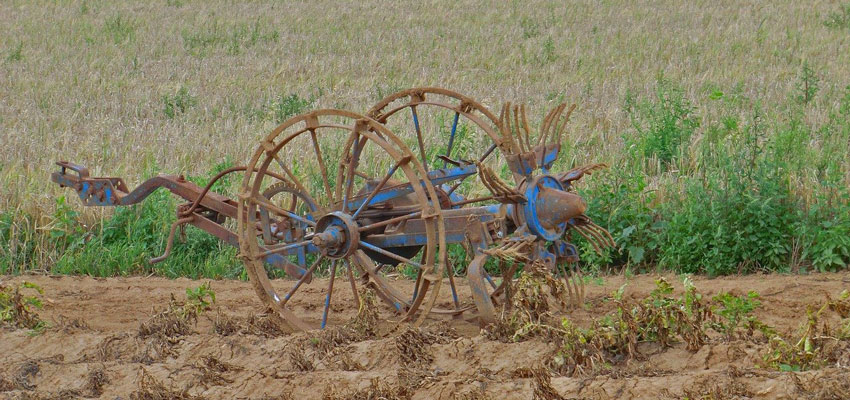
360 196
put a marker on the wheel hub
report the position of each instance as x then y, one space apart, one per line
337 235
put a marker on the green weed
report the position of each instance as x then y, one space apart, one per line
807 85
839 19
16 54
178 103
119 29
734 313
662 125
233 38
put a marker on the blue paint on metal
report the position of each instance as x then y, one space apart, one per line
325 314
490 280
454 294
415 292
451 138
529 209
437 177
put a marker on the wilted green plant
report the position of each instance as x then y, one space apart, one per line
18 310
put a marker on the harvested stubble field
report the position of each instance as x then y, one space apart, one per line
105 342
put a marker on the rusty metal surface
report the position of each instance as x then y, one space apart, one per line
346 217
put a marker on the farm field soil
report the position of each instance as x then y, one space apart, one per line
93 348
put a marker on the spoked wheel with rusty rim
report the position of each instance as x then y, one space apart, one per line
449 132
347 179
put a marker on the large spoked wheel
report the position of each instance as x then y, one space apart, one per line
347 182
439 126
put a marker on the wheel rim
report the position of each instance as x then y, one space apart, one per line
319 153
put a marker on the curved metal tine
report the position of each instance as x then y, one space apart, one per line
419 137
303 278
480 160
451 138
390 255
328 297
380 186
325 180
565 274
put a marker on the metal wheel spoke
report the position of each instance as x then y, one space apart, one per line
269 205
390 221
328 297
282 249
451 273
452 137
419 137
291 176
389 254
416 285
352 166
303 278
480 160
351 281
325 181
379 186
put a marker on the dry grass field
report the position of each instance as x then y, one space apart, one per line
88 80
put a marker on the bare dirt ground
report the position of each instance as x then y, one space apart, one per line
93 348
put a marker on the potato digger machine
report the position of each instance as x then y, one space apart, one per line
366 196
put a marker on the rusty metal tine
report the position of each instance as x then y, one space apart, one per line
525 127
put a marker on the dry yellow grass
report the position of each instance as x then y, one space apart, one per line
85 81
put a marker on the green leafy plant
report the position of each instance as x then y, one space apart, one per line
285 107
662 125
808 84
839 19
119 29
16 54
734 312
199 299
178 103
